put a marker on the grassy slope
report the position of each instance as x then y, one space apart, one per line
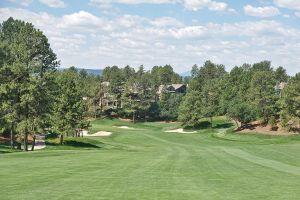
146 163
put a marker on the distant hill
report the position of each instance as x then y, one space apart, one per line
95 71
89 71
184 74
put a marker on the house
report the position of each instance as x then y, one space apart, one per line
279 87
107 100
173 88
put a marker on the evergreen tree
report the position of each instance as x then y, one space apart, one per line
209 97
69 107
202 99
169 105
262 93
28 66
291 103
281 75
190 109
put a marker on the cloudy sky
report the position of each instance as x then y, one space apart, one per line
98 33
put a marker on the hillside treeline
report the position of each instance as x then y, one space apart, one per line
37 98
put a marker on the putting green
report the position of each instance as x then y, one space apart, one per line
145 162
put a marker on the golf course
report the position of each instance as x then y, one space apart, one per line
147 161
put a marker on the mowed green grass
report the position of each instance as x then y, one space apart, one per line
147 163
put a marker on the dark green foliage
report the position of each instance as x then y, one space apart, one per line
203 97
27 79
169 105
138 95
262 66
190 109
262 94
164 76
69 107
241 112
290 104
280 75
272 122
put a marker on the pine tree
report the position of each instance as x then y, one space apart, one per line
28 67
69 108
291 103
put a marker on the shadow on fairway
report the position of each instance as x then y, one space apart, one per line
4 151
80 144
207 125
224 125
201 125
76 144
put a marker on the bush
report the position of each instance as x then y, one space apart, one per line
273 124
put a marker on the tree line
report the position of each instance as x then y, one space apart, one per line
245 94
37 98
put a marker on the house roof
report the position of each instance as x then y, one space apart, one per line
169 87
177 86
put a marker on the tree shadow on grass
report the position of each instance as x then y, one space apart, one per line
207 125
80 144
201 125
75 143
4 148
224 125
4 151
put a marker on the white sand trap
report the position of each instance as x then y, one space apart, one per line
180 130
98 134
39 143
39 147
124 127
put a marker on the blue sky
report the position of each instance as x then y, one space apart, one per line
98 33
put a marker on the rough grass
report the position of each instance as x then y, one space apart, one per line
147 163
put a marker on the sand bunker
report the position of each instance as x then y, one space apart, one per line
39 147
180 130
40 143
98 134
124 127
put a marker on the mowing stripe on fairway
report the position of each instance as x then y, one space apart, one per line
279 166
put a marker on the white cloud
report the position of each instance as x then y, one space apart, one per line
267 11
80 19
130 21
107 3
166 22
297 14
289 4
200 4
193 5
86 40
54 3
286 16
22 2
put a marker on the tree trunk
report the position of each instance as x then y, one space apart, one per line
61 139
11 138
236 123
26 141
19 146
101 106
33 143
26 128
133 117
211 122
